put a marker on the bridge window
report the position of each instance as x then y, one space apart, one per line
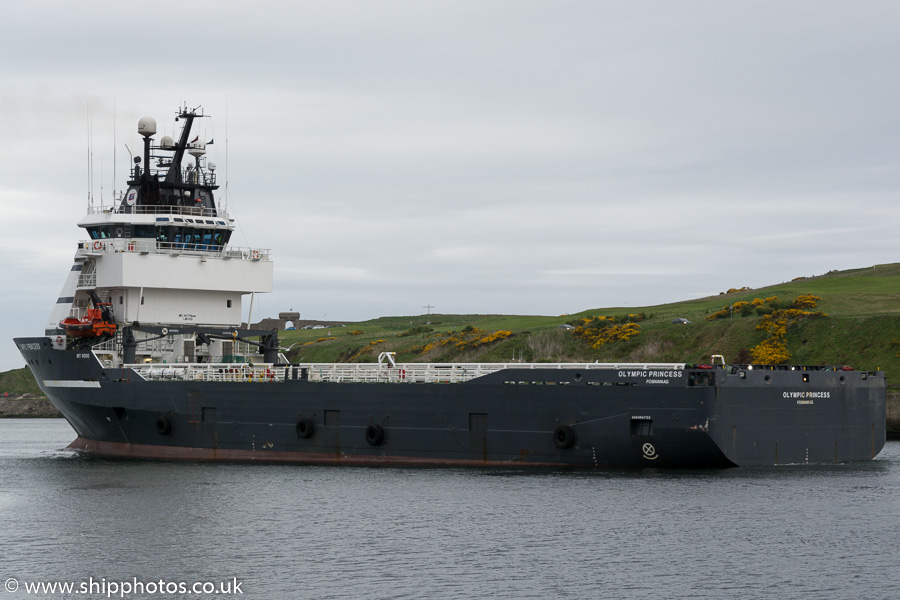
100 232
144 231
190 238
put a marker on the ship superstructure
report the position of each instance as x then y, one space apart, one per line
161 256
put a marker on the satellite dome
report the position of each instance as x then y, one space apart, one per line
147 126
197 148
167 142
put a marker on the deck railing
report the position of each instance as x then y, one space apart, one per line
151 246
189 211
362 372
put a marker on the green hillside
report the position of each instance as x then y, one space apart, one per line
17 382
861 329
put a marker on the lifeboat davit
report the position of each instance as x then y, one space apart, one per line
91 325
97 322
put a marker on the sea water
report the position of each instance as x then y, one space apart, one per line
132 529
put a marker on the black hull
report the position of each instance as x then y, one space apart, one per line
536 418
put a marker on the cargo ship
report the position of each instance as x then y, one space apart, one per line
146 356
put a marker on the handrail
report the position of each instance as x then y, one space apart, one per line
361 372
190 211
151 246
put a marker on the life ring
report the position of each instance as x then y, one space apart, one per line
131 246
163 426
254 254
270 374
563 436
59 340
97 245
304 428
402 373
374 435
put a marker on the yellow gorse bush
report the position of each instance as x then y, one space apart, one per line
805 301
773 350
325 339
600 331
468 338
728 311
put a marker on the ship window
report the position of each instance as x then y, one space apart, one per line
121 300
143 231
100 232
179 220
228 303
176 235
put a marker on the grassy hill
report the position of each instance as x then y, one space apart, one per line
17 382
862 329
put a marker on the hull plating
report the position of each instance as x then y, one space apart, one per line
718 418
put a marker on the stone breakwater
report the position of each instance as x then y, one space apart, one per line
26 406
893 415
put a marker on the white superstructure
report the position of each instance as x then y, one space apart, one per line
160 257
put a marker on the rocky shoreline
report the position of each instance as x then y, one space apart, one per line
27 406
893 415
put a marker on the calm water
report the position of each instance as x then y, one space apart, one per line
324 532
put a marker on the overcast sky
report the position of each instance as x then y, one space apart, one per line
482 157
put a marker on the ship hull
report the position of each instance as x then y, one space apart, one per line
534 418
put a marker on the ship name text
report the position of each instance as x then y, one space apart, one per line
805 397
654 374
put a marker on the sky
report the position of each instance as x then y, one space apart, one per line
516 157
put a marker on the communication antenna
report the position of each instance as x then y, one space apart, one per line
88 119
226 153
114 157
